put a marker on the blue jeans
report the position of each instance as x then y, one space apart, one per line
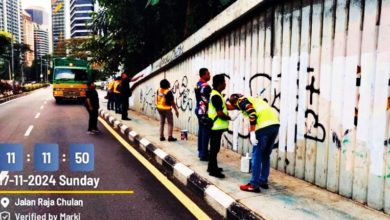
203 140
261 154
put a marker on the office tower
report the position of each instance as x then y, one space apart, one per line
58 27
80 18
41 41
28 37
11 18
38 15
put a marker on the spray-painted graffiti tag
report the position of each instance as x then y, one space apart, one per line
147 99
265 90
182 94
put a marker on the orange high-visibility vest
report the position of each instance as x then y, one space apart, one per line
161 100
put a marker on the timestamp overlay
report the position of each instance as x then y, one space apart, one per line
52 169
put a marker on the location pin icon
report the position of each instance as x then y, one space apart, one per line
4 202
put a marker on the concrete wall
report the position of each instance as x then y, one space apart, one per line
322 64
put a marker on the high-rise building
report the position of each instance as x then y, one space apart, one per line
58 26
41 41
28 37
80 18
11 18
2 8
38 15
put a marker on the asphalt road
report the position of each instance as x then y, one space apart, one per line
117 169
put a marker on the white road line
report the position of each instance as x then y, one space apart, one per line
28 131
41 107
37 115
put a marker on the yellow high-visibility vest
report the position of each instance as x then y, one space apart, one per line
161 100
110 85
219 124
266 115
116 84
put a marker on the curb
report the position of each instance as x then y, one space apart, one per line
9 98
224 204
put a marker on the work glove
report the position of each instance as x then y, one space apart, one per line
253 138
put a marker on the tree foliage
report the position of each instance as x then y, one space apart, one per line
128 33
6 48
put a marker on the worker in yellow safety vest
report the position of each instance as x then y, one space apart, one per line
264 128
164 105
116 91
218 113
110 95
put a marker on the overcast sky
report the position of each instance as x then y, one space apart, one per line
42 3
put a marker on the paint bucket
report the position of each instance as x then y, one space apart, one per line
184 135
246 164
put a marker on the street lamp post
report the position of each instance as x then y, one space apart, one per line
41 73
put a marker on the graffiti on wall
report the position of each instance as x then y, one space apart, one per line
147 100
265 90
178 51
181 91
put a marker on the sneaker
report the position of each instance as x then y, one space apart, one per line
90 132
249 188
172 139
126 119
217 174
96 131
162 138
264 185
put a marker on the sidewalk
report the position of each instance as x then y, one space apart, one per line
287 198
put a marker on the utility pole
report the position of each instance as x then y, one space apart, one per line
21 68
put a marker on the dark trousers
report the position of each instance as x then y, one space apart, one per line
125 106
117 102
110 102
93 117
215 145
203 140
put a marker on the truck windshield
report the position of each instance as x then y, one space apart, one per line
70 74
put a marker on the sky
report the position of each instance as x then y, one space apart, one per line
43 3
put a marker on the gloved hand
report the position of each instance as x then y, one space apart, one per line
234 116
253 138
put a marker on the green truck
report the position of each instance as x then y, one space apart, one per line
70 77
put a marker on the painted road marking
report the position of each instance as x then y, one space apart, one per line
37 115
187 202
220 196
28 131
183 169
41 107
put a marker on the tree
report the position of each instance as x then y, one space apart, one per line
128 33
77 48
